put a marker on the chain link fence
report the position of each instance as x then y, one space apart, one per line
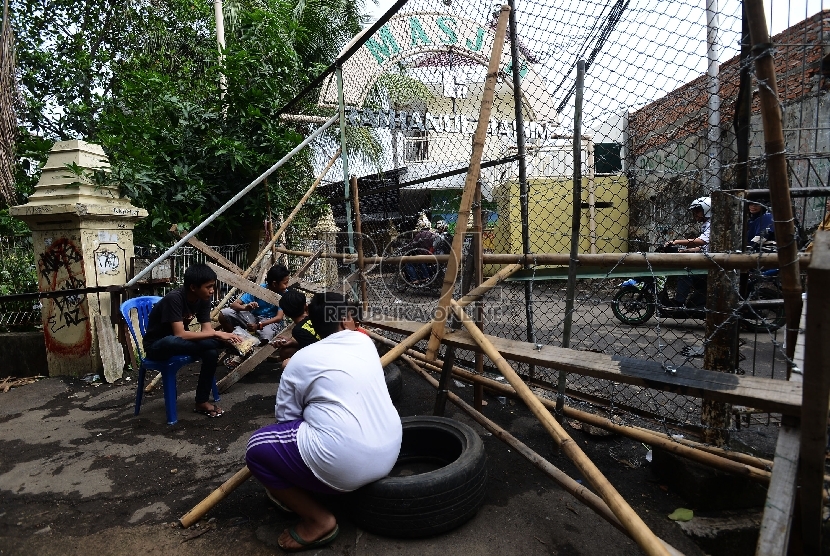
666 112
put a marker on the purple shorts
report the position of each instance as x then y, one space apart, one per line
274 459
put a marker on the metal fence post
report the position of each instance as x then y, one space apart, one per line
341 110
577 216
523 187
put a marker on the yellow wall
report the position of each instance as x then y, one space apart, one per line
550 214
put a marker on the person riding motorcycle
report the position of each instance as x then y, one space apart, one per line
691 290
759 224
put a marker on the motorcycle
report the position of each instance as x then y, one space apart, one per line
423 278
638 299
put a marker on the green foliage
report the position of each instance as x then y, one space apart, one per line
402 90
18 273
142 79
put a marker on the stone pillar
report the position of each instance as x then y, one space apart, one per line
83 237
326 231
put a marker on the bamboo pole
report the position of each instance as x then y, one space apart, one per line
779 187
561 478
639 531
215 497
729 261
473 173
282 229
359 229
756 469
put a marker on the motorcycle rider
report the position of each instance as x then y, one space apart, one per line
758 223
695 285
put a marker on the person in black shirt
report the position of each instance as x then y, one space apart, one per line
294 306
168 334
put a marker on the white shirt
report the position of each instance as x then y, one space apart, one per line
704 235
351 434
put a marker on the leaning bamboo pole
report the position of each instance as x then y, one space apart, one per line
779 188
639 531
279 232
215 497
561 478
726 261
451 273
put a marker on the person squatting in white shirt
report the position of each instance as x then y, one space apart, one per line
336 428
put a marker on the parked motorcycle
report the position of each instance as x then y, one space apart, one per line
638 299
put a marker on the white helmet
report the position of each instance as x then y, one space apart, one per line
703 203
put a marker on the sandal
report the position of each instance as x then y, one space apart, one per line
308 545
212 413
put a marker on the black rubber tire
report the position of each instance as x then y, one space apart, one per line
763 319
394 381
632 306
426 504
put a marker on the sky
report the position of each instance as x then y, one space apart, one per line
782 13
657 46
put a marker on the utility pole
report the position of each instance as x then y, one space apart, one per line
220 41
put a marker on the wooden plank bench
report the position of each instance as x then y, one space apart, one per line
775 396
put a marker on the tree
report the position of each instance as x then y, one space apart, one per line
142 80
8 120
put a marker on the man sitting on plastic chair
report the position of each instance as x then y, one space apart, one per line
168 334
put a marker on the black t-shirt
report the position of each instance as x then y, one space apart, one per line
304 333
174 307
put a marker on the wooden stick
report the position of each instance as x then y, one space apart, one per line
359 231
759 475
728 261
279 232
774 536
816 392
214 497
207 250
473 173
245 285
577 490
639 531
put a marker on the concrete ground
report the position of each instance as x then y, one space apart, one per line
79 474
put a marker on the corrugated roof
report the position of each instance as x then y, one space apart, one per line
799 50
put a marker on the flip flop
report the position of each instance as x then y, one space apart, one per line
308 545
211 413
277 503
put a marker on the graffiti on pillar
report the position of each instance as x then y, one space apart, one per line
107 262
66 323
